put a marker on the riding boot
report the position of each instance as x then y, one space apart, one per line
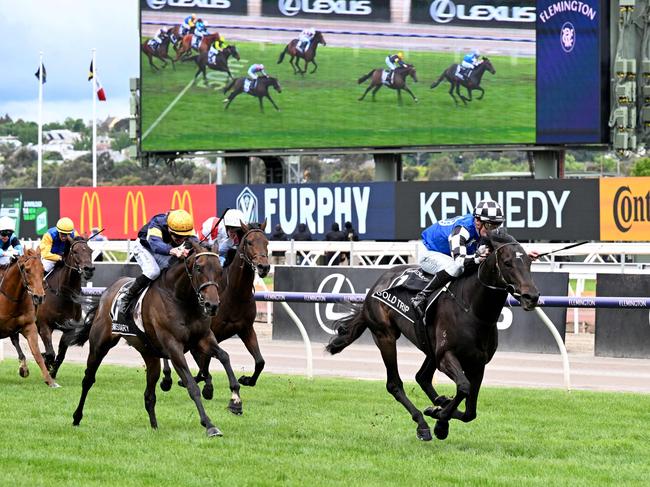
132 292
419 302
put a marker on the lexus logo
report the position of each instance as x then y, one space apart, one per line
334 283
289 7
442 11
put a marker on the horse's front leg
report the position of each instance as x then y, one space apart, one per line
272 102
166 383
482 92
151 62
60 357
23 370
464 99
399 96
29 332
210 347
249 338
424 378
315 66
45 332
388 348
294 61
451 93
260 98
415 98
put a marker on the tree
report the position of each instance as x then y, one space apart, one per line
641 167
121 140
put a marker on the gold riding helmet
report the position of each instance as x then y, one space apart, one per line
180 222
65 225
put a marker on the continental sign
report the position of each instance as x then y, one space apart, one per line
122 210
625 209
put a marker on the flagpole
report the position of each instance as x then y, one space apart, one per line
40 121
94 88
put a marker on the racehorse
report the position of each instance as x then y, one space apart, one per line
471 83
161 52
308 55
175 36
21 292
397 83
237 312
461 331
204 46
260 90
220 64
175 314
62 303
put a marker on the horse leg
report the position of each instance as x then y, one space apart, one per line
46 336
464 99
475 378
29 332
60 357
450 365
375 91
210 347
294 64
249 338
180 364
366 92
261 105
399 96
304 70
406 88
272 102
313 61
424 378
230 98
482 92
151 62
23 370
395 386
203 361
97 353
153 374
166 383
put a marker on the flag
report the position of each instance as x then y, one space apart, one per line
91 71
101 95
38 72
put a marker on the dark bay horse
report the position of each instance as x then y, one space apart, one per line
261 90
397 83
185 47
220 62
161 52
461 331
176 318
62 301
309 55
237 312
471 83
21 292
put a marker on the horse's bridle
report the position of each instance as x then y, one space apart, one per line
23 277
511 288
242 251
77 269
195 267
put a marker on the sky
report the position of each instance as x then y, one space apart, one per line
67 31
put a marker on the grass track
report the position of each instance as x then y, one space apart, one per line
320 432
321 109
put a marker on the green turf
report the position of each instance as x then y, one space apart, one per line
321 109
321 432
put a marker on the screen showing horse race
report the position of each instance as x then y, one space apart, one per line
238 75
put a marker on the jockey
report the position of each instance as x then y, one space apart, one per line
216 47
9 243
55 241
156 41
452 244
226 235
394 61
158 241
200 30
188 24
469 62
254 72
305 38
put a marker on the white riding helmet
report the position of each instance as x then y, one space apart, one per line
7 223
234 218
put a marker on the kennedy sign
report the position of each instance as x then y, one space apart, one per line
534 209
516 14
363 10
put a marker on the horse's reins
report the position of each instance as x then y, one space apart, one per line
244 256
205 284
508 286
78 269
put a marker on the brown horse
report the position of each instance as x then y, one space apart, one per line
260 90
21 292
237 312
471 83
220 62
398 81
461 331
176 318
62 303
186 44
160 52
308 55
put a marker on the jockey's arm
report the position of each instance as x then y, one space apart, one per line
46 249
458 248
158 246
17 246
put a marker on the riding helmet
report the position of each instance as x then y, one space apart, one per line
488 210
7 223
65 225
234 218
180 222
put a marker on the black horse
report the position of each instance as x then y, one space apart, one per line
471 83
461 331
398 81
160 51
260 89
309 55
220 62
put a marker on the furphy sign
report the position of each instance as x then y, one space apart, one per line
370 206
329 9
199 6
534 209
625 209
519 14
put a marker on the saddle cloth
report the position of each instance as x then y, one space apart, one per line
123 325
386 77
402 289
152 44
196 41
248 85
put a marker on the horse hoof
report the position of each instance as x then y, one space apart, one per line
208 392
24 372
166 384
54 385
441 430
246 381
432 412
442 401
180 383
424 434
214 431
416 100
235 408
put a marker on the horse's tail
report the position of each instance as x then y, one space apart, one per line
348 330
439 80
364 78
79 335
286 49
229 86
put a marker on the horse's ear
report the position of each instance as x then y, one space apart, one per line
263 225
244 227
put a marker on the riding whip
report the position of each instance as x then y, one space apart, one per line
205 237
563 248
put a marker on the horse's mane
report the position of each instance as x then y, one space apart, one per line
501 236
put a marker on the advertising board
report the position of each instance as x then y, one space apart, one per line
122 210
33 210
625 209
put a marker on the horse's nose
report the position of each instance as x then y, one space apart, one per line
89 271
263 269
529 300
37 299
211 308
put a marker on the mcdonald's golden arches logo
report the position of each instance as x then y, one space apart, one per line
182 202
88 204
133 200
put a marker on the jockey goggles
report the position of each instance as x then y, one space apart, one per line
6 233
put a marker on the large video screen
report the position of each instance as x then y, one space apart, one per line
372 74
